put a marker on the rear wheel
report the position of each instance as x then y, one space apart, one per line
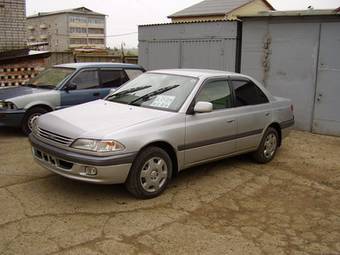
268 147
29 118
150 173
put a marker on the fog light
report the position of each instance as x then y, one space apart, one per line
90 170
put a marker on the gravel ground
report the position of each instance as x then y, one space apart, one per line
234 206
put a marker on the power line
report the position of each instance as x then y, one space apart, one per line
115 35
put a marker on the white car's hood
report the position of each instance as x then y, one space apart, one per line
96 119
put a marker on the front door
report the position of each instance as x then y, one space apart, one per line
327 103
87 88
211 135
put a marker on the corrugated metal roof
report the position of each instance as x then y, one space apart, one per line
80 10
189 22
213 7
296 13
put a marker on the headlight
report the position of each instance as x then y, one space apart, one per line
7 105
98 145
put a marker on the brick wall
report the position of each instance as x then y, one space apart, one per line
13 74
12 25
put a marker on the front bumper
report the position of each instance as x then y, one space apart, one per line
109 169
11 118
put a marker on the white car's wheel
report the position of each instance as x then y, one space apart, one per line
268 146
150 173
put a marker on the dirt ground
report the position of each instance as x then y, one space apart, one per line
234 206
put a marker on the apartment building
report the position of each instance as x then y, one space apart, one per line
68 29
12 25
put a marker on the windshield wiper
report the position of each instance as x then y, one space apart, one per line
128 91
153 93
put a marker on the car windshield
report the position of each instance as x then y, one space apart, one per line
50 78
155 90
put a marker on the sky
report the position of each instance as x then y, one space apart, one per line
124 16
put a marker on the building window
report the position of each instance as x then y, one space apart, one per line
78 41
96 41
75 19
96 31
79 30
96 21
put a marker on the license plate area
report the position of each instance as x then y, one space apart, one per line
51 160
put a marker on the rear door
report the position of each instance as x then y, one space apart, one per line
211 135
253 112
111 79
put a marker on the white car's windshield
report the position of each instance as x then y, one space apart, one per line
50 78
155 90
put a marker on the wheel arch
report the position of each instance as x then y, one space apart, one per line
277 127
40 105
169 149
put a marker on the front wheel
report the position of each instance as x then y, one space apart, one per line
150 173
29 118
268 147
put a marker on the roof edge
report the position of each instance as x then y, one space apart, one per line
216 14
57 12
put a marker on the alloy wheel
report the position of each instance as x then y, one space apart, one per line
270 145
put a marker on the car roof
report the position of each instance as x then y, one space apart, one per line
198 73
98 65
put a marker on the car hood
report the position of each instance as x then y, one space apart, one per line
97 119
11 92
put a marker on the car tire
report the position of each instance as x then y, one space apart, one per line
150 173
29 117
268 146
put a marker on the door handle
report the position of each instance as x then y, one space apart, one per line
230 121
96 94
267 114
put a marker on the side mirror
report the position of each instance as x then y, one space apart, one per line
71 86
202 107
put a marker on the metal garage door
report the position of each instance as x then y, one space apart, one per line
210 45
327 101
163 54
203 54
293 66
283 55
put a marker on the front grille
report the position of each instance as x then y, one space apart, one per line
60 139
53 161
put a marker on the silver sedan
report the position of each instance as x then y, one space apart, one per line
161 123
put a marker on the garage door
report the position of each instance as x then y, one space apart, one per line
327 101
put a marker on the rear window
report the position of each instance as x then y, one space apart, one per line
112 78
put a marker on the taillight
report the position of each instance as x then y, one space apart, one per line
291 108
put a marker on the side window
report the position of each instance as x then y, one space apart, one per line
217 93
133 73
247 93
112 78
87 79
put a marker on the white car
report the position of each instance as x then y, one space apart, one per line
159 124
